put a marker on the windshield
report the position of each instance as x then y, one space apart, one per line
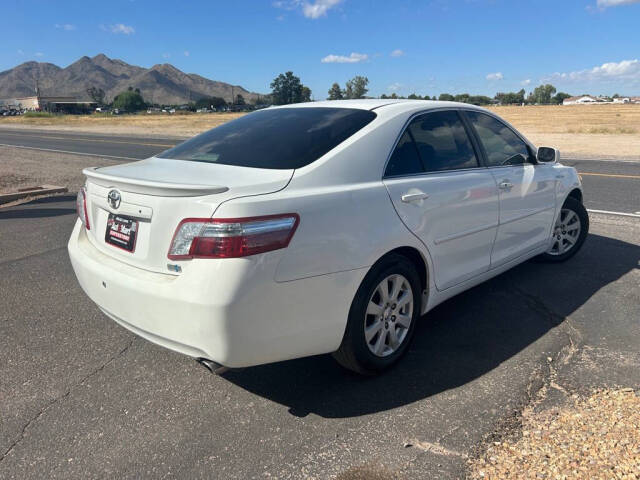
279 138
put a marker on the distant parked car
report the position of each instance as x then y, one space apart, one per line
319 227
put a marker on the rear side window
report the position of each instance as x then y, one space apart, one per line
405 159
279 138
442 142
502 146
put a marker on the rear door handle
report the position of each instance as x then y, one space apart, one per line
505 185
414 197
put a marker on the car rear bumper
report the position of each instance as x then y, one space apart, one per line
231 311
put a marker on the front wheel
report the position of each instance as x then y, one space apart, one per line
569 232
382 317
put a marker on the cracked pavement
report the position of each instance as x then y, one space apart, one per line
80 397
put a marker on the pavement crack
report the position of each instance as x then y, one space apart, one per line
56 400
435 447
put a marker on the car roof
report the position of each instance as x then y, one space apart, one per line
381 104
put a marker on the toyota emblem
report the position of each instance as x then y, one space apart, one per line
113 198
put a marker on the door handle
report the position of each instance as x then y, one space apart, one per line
505 185
414 197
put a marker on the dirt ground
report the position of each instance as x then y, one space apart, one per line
21 168
580 130
577 130
183 125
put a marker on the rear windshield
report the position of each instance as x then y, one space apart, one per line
279 138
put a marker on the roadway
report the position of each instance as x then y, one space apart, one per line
610 185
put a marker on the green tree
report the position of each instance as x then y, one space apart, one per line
96 94
210 102
239 100
286 88
462 98
129 101
384 96
306 94
479 100
543 93
510 98
413 96
357 87
446 97
559 97
335 92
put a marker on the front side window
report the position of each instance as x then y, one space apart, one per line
279 138
502 146
442 142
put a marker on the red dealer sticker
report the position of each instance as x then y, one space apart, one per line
121 232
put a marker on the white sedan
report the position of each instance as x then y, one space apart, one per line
320 227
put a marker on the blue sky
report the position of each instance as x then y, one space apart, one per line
427 47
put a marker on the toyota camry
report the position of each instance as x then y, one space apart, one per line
319 227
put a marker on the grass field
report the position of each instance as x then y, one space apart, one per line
591 130
583 130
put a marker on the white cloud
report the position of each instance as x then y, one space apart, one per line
624 70
526 83
39 54
492 77
394 87
397 53
353 58
319 8
166 55
314 9
20 51
119 28
615 3
186 53
65 26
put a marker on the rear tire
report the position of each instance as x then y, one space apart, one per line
566 242
380 325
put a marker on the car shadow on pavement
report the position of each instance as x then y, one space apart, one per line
457 342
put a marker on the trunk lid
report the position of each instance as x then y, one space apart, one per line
158 194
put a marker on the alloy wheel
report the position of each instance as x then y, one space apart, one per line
565 232
388 316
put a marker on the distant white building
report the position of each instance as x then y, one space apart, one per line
580 100
622 100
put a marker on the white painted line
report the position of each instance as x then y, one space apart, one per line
595 159
66 151
622 214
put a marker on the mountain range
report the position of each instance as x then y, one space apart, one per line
160 84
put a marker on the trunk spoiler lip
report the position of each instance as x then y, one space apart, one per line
153 187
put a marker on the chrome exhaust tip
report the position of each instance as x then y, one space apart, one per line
212 366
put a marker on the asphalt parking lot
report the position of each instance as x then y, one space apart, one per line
80 397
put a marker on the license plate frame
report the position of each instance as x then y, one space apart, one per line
121 232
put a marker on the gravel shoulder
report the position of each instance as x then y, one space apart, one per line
21 168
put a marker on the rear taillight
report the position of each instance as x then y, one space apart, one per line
81 207
231 237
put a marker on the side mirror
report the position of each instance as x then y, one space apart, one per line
548 155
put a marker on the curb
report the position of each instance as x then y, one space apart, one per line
41 191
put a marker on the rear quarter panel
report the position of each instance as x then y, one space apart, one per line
342 227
